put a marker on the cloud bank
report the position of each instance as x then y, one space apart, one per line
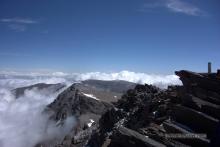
161 81
22 121
19 79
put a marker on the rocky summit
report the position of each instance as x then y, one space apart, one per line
144 116
87 101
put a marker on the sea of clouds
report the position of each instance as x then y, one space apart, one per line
22 123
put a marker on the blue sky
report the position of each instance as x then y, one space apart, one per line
152 36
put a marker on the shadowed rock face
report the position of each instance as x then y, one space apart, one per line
47 88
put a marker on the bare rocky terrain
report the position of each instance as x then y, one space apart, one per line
144 116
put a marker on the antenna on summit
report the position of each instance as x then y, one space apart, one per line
209 67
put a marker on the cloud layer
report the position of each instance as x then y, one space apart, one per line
22 123
19 20
177 6
18 79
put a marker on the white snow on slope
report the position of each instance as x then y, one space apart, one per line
91 122
90 96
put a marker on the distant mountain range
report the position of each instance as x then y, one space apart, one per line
47 88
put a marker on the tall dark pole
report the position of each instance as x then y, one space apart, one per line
209 67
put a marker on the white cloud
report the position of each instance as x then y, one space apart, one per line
61 74
180 6
19 20
18 24
22 123
161 81
177 6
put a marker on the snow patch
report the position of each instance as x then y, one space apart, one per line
90 123
91 96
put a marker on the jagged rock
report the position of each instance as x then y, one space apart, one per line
139 96
74 102
106 125
86 101
134 111
205 81
88 97
108 120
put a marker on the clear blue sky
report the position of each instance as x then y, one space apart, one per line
152 36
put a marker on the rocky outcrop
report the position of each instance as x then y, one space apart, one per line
86 101
208 84
178 116
88 97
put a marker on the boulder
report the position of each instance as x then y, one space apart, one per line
192 79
